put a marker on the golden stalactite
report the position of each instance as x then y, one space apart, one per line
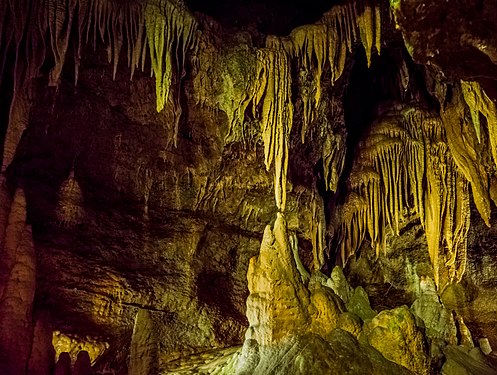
467 147
351 217
170 33
273 92
325 43
404 163
28 27
479 103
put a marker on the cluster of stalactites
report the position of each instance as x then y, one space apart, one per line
404 163
326 43
165 26
474 150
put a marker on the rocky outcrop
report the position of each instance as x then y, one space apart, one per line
437 321
395 335
305 329
467 361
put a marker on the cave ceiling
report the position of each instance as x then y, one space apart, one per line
149 145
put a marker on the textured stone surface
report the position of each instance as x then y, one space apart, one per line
18 284
42 358
449 37
467 361
278 301
437 321
395 335
310 354
359 304
339 284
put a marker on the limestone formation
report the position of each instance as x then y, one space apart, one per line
339 284
143 357
63 365
82 366
462 360
359 304
18 282
437 321
278 301
395 335
42 358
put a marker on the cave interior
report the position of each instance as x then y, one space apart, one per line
248 187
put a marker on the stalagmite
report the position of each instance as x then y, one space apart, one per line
70 208
144 346
17 283
41 361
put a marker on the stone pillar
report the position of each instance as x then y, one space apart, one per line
143 352
63 366
42 360
17 287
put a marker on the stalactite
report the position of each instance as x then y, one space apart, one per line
317 229
170 33
333 159
60 19
405 159
478 102
467 147
273 91
327 42
351 219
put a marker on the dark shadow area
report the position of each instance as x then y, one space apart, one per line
276 17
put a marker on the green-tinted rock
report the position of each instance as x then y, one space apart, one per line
310 354
395 335
339 284
430 314
466 361
359 304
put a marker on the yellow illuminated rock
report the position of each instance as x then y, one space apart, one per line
73 345
395 335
